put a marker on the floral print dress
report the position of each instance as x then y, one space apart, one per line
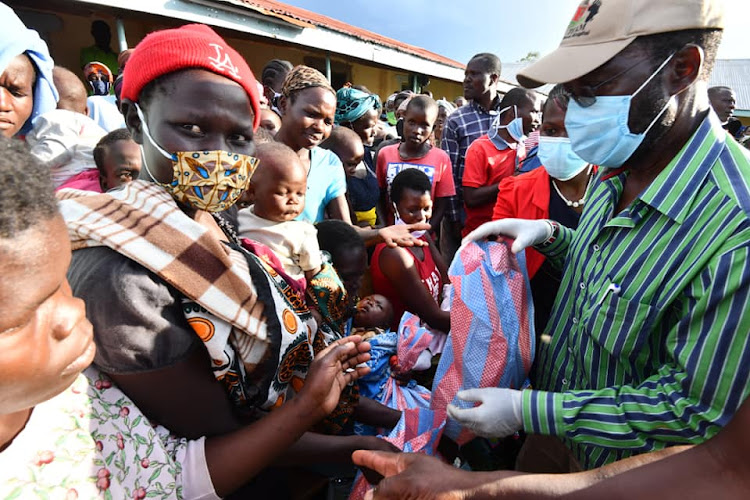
92 442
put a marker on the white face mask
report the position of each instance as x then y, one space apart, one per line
400 222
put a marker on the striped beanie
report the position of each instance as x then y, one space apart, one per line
188 47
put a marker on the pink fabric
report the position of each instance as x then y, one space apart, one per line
418 431
492 330
88 180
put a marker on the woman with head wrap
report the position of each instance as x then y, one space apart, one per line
308 107
359 111
26 87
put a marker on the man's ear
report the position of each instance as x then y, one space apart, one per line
494 78
132 120
685 68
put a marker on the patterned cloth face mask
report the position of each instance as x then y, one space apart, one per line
205 180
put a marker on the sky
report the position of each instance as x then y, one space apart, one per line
516 28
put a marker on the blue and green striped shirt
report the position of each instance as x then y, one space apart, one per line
664 360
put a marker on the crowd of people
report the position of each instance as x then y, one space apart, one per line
197 263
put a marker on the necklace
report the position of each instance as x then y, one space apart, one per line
574 204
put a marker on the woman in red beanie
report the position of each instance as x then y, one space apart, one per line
195 330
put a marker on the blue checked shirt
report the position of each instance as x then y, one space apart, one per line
465 125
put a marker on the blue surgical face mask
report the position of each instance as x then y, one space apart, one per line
515 127
558 158
400 222
600 134
99 87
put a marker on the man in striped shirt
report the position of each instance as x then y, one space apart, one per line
648 340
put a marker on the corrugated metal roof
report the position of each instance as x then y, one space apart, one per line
291 13
734 73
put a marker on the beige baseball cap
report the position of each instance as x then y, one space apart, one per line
600 29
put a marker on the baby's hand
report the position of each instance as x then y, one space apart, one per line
340 364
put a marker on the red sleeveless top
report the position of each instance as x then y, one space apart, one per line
428 273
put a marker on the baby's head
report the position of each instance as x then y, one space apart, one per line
270 121
278 186
346 144
118 159
373 311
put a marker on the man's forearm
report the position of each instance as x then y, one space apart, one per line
533 486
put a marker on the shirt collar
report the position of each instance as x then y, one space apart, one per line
674 189
497 141
494 105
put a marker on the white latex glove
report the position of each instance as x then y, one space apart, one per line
526 233
499 415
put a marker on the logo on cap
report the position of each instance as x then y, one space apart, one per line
222 62
583 16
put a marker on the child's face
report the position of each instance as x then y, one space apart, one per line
46 339
351 155
280 196
366 127
418 125
270 121
351 266
373 311
122 164
16 94
179 120
415 207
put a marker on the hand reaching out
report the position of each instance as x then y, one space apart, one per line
400 235
333 369
413 476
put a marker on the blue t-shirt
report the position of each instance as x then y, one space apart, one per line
325 182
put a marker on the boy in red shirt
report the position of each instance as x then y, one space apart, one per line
415 151
495 155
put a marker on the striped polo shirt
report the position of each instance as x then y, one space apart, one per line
650 328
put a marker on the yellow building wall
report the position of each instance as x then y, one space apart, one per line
66 43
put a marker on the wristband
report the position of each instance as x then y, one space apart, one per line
554 230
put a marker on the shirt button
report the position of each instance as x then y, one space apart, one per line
575 321
582 285
564 381
570 350
596 248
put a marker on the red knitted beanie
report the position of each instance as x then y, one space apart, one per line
190 46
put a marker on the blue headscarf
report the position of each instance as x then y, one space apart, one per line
351 104
16 39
